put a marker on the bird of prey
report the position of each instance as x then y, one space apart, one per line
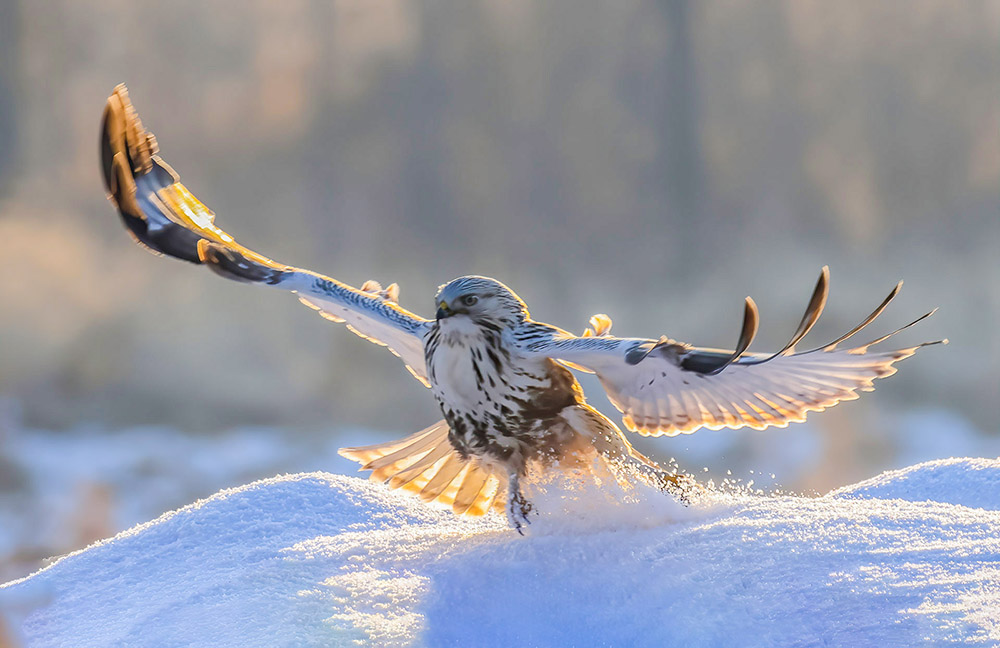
503 381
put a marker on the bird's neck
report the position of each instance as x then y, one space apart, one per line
465 331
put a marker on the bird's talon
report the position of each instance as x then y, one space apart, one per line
518 508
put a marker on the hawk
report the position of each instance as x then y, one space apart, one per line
505 382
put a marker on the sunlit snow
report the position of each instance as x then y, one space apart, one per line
910 557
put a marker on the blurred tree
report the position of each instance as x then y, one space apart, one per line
680 157
9 51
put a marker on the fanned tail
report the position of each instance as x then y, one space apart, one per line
426 464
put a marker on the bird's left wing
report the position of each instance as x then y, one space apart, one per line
162 215
664 387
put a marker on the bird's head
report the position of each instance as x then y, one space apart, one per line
481 300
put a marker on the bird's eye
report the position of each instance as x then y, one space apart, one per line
470 300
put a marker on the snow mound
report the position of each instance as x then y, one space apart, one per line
319 560
974 483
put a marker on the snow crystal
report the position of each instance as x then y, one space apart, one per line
911 557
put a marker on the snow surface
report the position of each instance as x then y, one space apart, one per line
909 558
54 483
60 491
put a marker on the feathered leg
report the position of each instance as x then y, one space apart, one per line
620 456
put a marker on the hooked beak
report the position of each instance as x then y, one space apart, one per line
443 311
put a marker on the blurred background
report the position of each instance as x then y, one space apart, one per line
656 160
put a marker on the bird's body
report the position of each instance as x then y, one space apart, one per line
498 403
502 380
506 408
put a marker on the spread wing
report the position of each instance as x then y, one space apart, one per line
162 215
664 387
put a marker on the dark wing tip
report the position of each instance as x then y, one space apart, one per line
122 133
239 264
817 302
113 131
864 347
119 125
710 364
132 170
709 361
107 152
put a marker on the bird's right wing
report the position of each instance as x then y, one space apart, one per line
162 215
